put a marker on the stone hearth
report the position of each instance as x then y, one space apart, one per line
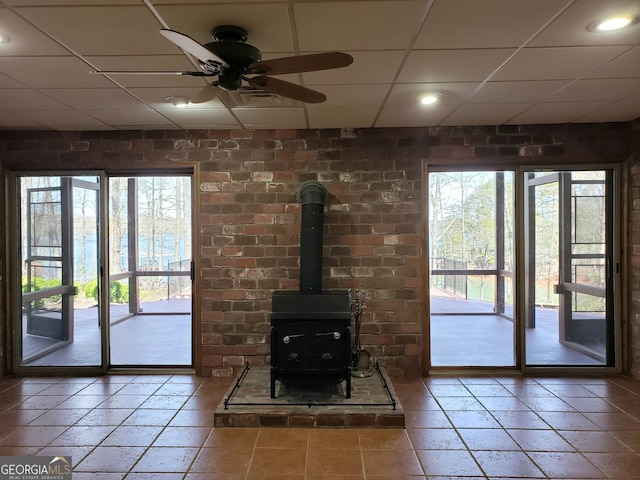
247 403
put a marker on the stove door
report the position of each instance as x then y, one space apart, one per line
292 349
329 345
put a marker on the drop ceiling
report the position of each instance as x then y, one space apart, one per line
492 62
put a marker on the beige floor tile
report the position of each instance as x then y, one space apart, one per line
334 461
565 465
472 427
223 460
501 464
457 463
290 461
391 462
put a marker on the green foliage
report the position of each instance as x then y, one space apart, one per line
38 283
118 292
91 290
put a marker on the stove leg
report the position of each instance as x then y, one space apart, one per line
348 379
273 383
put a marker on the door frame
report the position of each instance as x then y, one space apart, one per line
445 165
614 305
129 175
15 269
520 275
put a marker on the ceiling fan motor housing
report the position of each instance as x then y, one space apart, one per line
230 79
229 44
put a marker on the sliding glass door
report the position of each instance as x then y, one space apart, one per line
150 271
60 239
104 273
471 249
570 268
562 311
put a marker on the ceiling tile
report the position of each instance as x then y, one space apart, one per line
625 66
6 82
353 95
416 116
625 111
560 112
484 23
452 65
477 114
129 117
189 118
22 3
487 58
51 72
25 39
101 29
267 24
451 93
572 27
556 63
342 117
596 90
63 119
16 121
95 98
172 63
357 25
26 99
519 91
271 117
157 97
367 67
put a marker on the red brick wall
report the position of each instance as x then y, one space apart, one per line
250 238
633 203
249 218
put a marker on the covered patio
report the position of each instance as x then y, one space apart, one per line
466 333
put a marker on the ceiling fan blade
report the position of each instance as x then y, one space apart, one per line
192 47
302 63
207 94
149 72
287 89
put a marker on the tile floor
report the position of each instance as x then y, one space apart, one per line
161 428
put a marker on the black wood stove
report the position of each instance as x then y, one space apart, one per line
311 329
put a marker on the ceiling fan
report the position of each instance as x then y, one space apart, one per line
232 60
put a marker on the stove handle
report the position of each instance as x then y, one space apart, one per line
287 338
336 335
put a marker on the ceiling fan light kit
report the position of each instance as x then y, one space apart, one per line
232 60
179 102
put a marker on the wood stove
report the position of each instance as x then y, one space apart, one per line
311 329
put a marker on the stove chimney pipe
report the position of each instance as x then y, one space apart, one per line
313 197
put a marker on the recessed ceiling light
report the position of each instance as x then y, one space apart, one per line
4 38
613 23
179 102
429 98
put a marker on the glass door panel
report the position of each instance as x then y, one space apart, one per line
569 316
150 271
59 221
471 247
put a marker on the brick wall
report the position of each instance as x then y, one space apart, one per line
250 237
633 202
249 218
